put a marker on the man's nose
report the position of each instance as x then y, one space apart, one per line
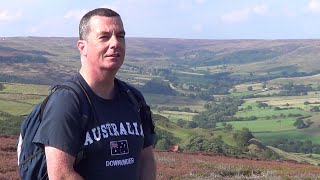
114 41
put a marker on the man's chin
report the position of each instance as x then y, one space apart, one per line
113 68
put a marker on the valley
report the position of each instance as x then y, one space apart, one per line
207 96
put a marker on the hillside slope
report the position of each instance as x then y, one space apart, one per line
172 165
50 59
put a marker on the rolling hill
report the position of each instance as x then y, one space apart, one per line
50 59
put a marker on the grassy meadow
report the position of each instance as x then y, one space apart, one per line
273 124
19 99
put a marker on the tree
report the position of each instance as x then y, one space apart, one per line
250 88
224 124
315 109
306 103
228 127
264 85
277 108
163 144
200 143
186 109
299 124
243 136
158 86
262 105
181 122
191 124
195 143
1 87
207 106
308 122
175 84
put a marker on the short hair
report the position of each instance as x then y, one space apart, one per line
84 26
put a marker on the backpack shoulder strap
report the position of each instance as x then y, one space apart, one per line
124 87
78 89
142 109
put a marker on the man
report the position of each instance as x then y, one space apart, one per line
115 144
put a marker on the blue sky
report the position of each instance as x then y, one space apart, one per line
189 19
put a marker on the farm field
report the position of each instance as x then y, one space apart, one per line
268 130
18 99
292 135
273 124
175 115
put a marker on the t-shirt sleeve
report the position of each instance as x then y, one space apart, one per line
60 126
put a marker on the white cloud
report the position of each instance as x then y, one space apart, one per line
113 7
244 14
6 16
289 13
260 9
314 6
197 27
200 1
34 29
188 5
75 14
184 5
237 15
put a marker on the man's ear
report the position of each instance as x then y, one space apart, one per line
82 46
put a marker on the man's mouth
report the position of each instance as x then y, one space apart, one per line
113 55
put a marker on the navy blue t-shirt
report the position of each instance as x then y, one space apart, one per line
112 142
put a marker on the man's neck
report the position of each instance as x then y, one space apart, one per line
101 84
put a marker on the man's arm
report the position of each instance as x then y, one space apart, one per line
60 164
147 164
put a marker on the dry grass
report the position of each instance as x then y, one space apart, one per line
178 166
203 166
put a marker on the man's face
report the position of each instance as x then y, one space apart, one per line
106 43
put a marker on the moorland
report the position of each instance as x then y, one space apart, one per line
255 99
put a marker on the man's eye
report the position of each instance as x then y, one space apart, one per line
121 36
105 37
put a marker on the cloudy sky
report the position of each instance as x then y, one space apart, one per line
191 19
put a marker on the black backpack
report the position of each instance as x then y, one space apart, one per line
31 157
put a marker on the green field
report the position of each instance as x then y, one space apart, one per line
19 99
15 108
266 112
293 134
171 101
183 133
272 125
175 115
13 88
